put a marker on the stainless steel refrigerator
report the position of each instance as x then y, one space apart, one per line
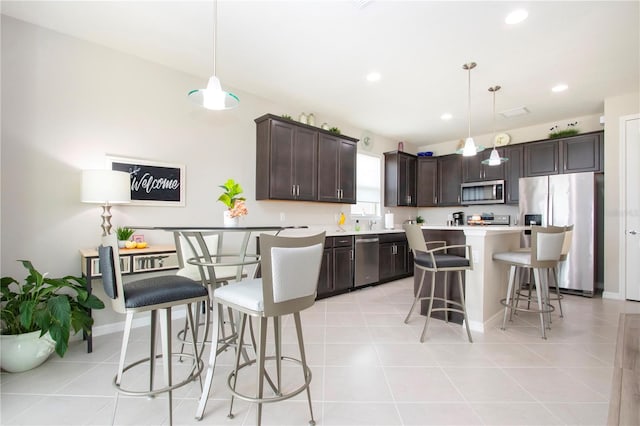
569 199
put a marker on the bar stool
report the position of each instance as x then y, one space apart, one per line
158 294
437 260
546 248
290 269
566 247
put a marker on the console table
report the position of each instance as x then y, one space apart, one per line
132 261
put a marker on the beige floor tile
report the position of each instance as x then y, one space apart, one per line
421 384
423 414
368 367
359 414
512 414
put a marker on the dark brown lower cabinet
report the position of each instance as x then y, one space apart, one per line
336 271
395 260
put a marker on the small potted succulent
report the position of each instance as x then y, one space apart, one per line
123 234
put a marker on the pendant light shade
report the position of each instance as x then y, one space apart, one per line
494 159
213 97
470 148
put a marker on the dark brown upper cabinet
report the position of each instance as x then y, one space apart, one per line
427 182
449 180
399 179
336 169
474 171
513 172
291 164
580 153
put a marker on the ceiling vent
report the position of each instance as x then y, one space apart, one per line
514 112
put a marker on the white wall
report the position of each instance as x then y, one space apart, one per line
68 102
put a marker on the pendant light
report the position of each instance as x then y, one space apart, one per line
494 159
213 97
470 148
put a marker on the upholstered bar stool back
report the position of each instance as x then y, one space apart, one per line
434 257
290 269
157 294
546 248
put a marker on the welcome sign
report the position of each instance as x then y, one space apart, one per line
152 183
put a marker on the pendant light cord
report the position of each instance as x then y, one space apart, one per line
469 100
215 30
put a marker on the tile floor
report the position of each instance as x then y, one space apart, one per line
368 369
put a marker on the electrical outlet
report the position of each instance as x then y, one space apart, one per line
282 217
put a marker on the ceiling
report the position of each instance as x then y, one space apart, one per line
314 55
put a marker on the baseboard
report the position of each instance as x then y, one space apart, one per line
143 321
612 295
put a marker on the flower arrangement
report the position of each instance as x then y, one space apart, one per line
230 198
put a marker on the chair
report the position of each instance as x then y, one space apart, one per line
546 248
435 260
564 254
157 294
290 270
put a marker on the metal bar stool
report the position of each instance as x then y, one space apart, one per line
290 268
157 294
437 260
546 249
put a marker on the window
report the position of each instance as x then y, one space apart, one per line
368 186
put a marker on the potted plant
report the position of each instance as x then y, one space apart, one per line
235 204
41 312
123 234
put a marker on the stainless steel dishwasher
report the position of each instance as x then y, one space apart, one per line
366 259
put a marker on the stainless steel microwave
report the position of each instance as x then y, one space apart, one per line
487 192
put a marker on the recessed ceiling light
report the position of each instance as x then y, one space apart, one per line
559 88
516 16
373 76
446 116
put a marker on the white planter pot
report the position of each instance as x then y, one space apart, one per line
22 352
229 221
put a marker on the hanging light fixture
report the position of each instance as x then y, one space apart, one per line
494 159
213 97
470 148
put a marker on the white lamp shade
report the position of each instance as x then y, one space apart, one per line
213 97
106 187
469 149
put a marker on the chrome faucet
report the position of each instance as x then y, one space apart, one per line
371 223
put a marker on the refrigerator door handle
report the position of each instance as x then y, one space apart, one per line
550 215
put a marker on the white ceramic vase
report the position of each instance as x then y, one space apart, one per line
229 221
22 352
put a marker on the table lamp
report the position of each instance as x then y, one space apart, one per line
106 187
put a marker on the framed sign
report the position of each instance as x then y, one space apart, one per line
152 183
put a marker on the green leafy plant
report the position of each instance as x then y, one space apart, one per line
230 195
54 305
124 233
419 219
334 130
569 131
287 116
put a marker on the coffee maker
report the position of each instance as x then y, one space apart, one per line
458 218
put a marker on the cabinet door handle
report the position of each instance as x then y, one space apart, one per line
293 190
351 254
297 190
